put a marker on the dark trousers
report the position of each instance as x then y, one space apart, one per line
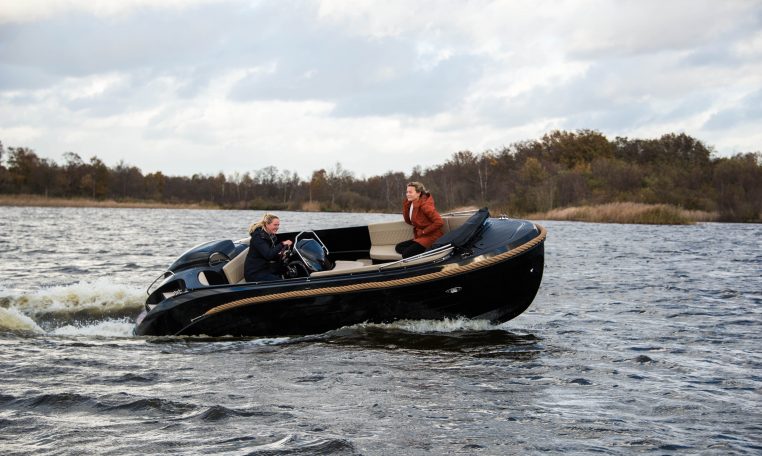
409 248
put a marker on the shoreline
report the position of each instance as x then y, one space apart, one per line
41 201
628 213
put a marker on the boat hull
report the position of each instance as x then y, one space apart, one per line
497 292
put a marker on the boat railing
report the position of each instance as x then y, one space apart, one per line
313 236
458 213
163 275
421 257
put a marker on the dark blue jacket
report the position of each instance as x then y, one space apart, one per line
263 250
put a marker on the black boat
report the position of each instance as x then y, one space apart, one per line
482 268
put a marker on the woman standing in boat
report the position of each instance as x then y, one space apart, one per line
264 250
418 210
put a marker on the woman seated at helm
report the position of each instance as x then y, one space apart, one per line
264 256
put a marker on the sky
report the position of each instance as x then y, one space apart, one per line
209 86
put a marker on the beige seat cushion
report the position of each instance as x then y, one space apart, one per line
386 233
343 264
384 253
234 268
348 270
385 236
341 267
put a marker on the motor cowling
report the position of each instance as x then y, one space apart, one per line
202 254
313 255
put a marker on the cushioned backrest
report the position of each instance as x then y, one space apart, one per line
384 236
234 268
389 233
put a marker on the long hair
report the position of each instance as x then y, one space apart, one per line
419 188
266 219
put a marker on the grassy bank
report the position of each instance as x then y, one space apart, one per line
41 201
655 214
651 214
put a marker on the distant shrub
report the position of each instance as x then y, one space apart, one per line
650 214
311 206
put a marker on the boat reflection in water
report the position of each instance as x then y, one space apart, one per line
482 268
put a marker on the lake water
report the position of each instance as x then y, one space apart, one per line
641 340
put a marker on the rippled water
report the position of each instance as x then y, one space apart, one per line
641 340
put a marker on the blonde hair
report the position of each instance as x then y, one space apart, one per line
266 220
419 188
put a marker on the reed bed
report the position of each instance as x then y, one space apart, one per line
41 201
635 213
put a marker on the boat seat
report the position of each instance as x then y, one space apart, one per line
385 236
234 268
385 252
343 264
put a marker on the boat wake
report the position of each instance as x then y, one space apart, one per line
448 325
103 309
457 335
13 320
98 308
480 338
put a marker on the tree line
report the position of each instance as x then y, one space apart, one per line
561 169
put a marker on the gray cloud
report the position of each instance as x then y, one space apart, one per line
79 44
362 75
591 100
374 82
749 111
204 76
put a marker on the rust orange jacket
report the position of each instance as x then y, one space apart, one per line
426 221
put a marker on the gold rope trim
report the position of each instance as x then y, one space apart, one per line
446 272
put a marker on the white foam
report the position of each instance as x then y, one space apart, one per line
108 328
13 320
441 326
101 295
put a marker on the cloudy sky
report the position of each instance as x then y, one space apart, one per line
203 86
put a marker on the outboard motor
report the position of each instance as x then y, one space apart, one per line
307 256
313 255
205 254
202 261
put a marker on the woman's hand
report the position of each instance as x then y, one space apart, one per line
285 250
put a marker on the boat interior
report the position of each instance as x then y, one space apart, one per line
381 255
